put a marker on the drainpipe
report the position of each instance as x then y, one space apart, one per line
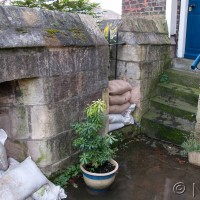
195 63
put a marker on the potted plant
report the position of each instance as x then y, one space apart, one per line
192 147
96 152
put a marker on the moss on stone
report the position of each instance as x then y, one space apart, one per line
21 30
42 156
78 34
52 31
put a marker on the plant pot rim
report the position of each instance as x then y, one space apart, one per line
102 174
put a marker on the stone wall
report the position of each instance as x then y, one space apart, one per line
148 51
52 65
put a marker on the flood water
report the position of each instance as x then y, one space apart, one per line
148 170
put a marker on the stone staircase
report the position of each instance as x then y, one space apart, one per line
173 109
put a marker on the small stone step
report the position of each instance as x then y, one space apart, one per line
175 91
182 63
166 127
174 107
185 78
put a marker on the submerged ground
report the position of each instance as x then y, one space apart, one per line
149 170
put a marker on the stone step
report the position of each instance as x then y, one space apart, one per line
175 107
184 64
175 91
183 77
166 127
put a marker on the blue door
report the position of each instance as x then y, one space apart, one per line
192 48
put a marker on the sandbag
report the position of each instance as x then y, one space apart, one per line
129 110
115 118
3 158
115 126
22 181
117 87
3 155
118 109
1 173
135 95
49 192
120 99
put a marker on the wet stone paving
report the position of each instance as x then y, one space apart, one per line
148 170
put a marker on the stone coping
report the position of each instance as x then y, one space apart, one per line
34 27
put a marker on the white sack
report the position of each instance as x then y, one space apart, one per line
116 118
3 158
3 155
22 181
115 126
49 192
129 110
3 136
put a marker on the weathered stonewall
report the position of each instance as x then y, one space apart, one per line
148 51
52 65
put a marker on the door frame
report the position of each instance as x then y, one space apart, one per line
182 28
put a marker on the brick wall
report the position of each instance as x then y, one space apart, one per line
148 7
141 7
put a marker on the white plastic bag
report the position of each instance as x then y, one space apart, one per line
115 126
3 155
22 181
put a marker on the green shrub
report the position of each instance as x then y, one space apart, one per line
95 149
191 144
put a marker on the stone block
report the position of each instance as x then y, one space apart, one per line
30 27
93 30
5 123
133 38
62 164
158 53
35 91
49 151
49 120
197 127
141 110
16 149
128 70
19 122
23 63
4 20
7 95
134 53
156 24
151 69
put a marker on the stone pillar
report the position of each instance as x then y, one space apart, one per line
52 65
148 51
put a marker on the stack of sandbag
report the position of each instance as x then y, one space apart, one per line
24 181
120 104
